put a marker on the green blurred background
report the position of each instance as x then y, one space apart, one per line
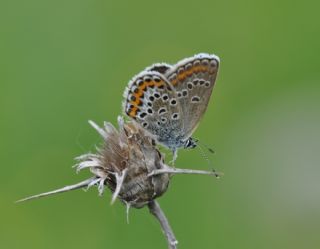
64 62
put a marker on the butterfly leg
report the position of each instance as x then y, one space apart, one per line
174 156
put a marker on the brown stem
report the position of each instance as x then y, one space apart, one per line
82 184
155 209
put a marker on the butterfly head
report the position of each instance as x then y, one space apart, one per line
190 143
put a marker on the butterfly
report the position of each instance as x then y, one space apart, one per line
168 101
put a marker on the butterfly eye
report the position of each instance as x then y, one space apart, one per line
190 143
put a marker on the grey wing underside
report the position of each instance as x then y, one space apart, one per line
155 106
193 79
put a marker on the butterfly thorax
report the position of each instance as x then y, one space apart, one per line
178 142
172 142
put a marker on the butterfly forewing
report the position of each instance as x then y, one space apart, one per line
193 80
152 102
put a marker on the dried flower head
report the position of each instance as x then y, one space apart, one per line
124 163
132 167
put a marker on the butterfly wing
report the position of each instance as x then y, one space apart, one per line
159 67
193 79
152 102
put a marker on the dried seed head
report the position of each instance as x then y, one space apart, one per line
128 163
125 162
132 168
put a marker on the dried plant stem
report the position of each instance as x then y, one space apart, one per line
119 179
82 184
155 209
171 170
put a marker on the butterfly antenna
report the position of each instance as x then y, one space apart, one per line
203 154
206 146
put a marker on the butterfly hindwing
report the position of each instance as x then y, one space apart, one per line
159 67
151 101
193 80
